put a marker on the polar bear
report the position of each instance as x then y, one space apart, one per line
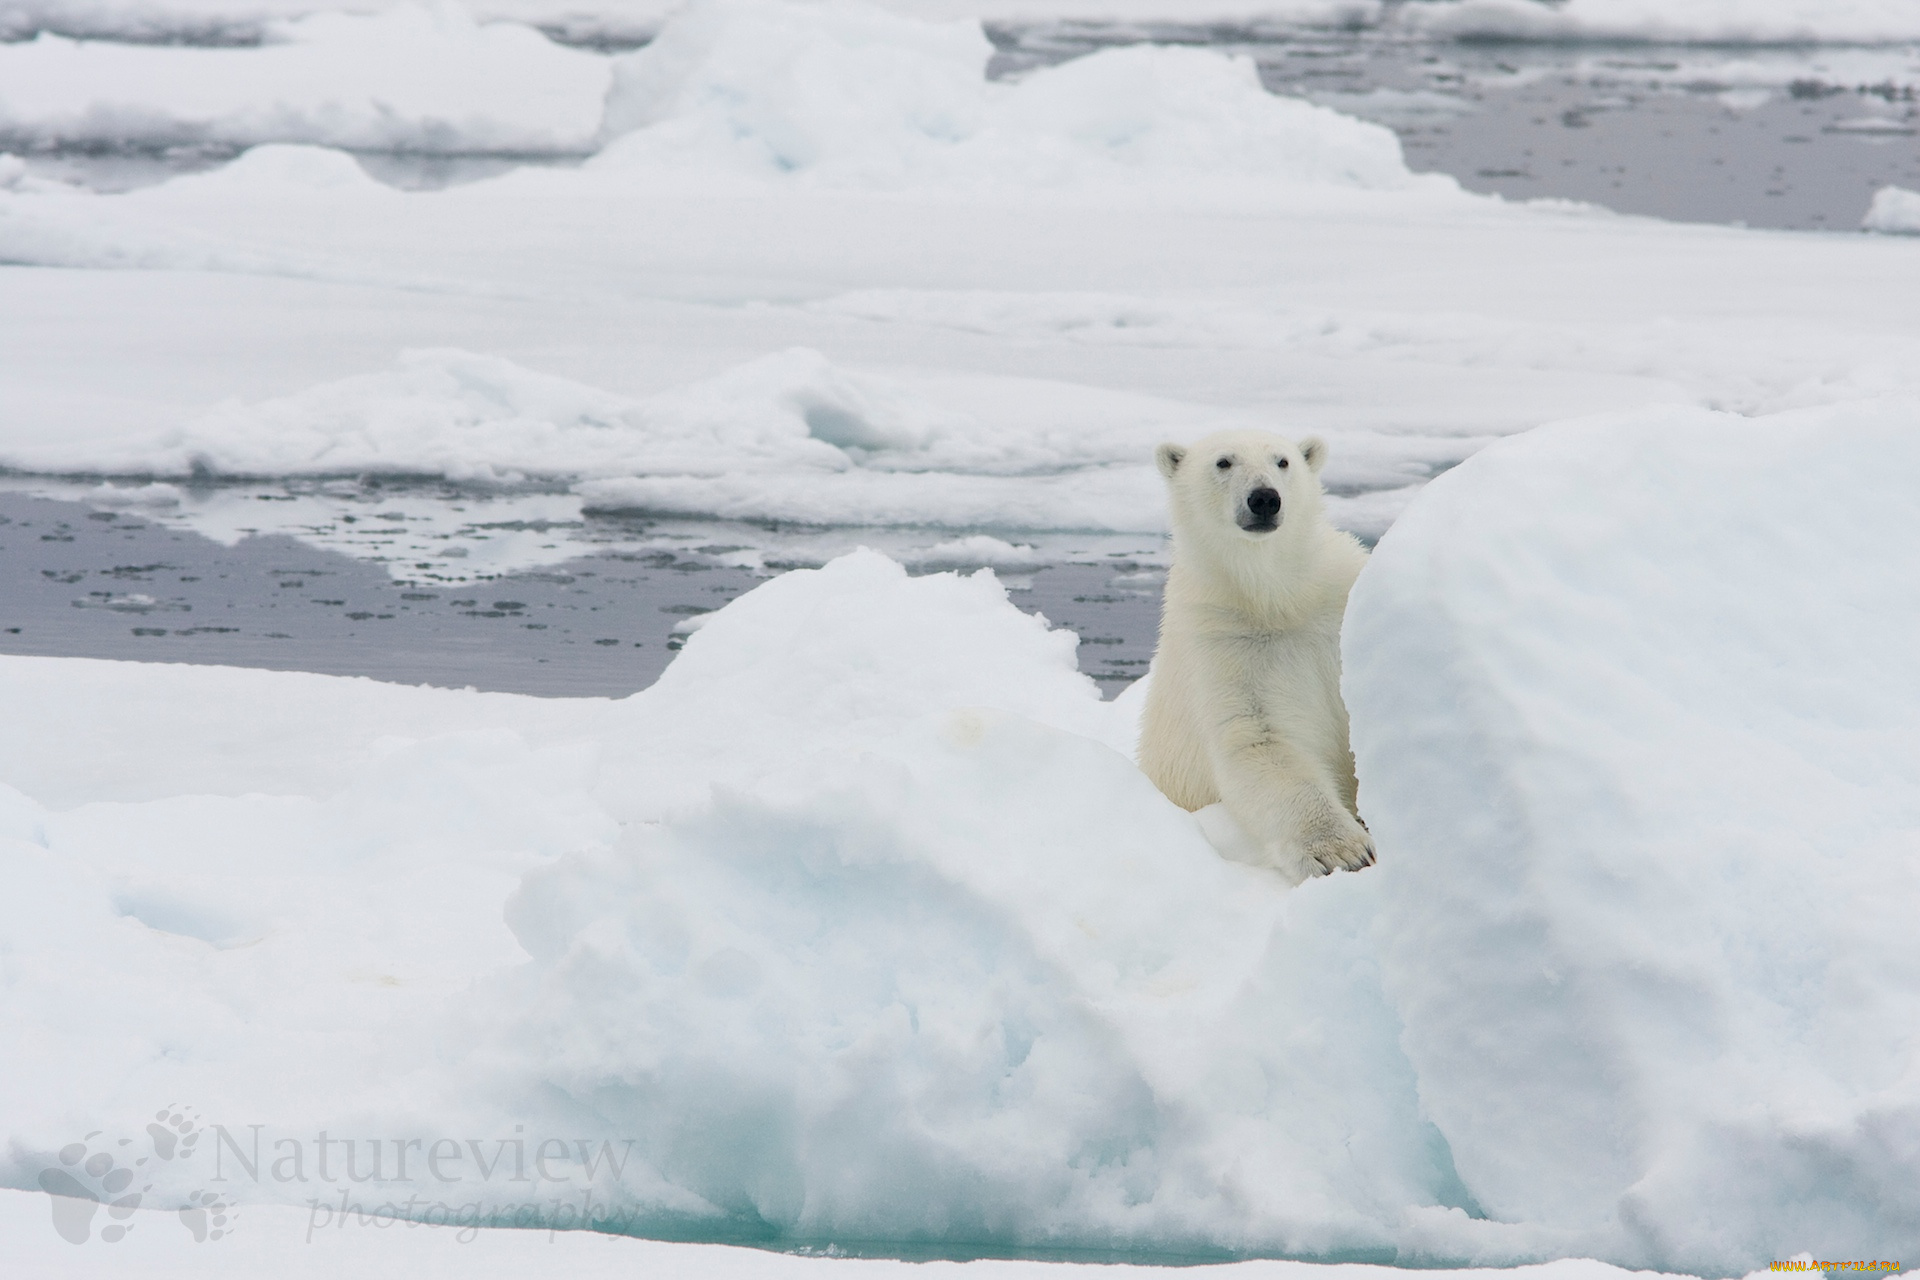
1244 704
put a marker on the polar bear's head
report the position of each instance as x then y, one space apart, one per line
1244 487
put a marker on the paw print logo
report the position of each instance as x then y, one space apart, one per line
174 1131
94 1174
76 1203
207 1215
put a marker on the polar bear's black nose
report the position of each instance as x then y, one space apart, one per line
1264 503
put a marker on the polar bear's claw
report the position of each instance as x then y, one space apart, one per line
1352 852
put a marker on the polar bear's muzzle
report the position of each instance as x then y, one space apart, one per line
1262 511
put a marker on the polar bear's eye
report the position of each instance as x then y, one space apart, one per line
1283 463
1224 463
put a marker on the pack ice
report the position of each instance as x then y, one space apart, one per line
411 79
856 122
821 268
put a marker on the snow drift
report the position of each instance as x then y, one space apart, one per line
1635 707
859 924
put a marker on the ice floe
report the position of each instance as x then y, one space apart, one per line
861 924
409 79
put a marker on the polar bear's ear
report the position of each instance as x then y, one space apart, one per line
1314 450
1168 457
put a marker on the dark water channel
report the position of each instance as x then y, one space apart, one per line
78 581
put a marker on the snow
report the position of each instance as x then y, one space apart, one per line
860 925
410 79
765 95
1895 210
467 416
858 97
156 494
733 102
978 549
848 93
784 437
1634 709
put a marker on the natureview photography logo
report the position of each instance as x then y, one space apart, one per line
116 1174
552 1184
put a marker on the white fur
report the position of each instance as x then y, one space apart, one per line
1244 706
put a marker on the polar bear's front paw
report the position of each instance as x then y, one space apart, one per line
1342 851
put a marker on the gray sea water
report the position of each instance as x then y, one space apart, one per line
431 584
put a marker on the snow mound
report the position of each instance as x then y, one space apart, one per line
789 85
1894 210
849 95
279 168
859 924
1661 21
407 79
1173 110
1637 720
910 998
